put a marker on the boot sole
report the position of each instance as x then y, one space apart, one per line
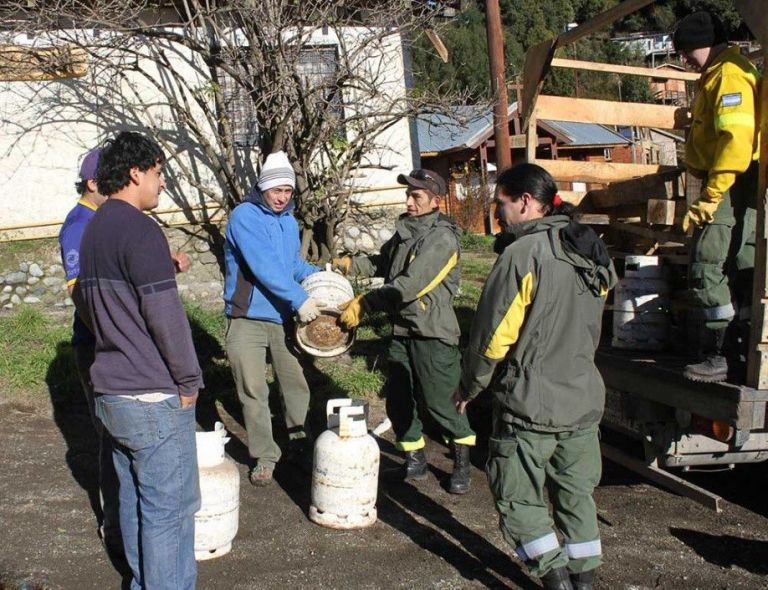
458 491
419 477
703 379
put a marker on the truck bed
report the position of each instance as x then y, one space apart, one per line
658 377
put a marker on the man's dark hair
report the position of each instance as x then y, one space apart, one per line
80 187
127 150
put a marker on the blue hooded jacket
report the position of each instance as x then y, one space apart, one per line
263 264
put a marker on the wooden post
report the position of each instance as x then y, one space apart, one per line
756 18
498 84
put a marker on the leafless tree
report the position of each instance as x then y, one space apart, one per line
221 82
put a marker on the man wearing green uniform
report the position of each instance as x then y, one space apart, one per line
532 344
722 150
420 266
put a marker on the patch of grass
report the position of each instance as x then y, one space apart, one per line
11 253
34 350
356 379
476 268
471 241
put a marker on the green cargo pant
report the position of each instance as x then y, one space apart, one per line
520 463
247 343
723 254
424 371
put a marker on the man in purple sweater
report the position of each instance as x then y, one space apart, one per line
145 374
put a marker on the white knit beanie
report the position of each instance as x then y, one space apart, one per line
277 171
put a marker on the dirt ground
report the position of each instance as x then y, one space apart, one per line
424 538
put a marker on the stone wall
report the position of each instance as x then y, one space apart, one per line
367 228
35 274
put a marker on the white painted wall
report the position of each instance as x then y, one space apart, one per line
46 128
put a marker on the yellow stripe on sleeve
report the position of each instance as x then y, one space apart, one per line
738 119
71 282
509 329
440 276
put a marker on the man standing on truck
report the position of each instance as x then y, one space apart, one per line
722 150
420 266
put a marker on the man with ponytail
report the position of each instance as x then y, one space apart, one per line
532 344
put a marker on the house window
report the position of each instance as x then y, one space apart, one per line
607 154
317 66
240 112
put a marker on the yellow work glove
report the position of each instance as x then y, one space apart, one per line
352 312
702 211
344 264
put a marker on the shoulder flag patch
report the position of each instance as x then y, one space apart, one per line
732 100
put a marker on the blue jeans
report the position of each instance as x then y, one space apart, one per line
156 462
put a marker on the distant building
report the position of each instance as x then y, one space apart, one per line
461 148
673 92
654 47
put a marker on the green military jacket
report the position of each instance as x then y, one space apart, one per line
420 267
537 326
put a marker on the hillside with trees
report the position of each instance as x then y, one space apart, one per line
528 22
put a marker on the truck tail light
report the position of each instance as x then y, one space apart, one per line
717 429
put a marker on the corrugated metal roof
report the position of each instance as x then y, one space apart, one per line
585 134
443 133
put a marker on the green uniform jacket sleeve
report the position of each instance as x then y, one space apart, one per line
437 256
501 314
373 265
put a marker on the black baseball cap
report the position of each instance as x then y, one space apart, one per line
424 179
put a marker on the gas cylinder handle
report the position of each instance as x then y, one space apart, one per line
335 404
346 424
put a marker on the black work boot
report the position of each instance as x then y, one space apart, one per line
415 465
583 581
460 477
557 579
714 367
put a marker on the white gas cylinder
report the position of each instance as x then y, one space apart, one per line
216 521
346 469
641 306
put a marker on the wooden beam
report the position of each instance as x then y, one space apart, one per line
602 20
664 211
606 112
599 172
663 478
646 232
20 63
756 18
537 60
637 190
592 66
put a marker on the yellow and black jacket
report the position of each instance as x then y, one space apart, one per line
420 266
724 138
537 326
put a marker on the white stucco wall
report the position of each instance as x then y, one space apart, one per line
46 128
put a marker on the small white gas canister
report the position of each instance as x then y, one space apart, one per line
346 469
216 521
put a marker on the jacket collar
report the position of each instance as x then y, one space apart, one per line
412 227
512 233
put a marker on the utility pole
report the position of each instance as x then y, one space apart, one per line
498 84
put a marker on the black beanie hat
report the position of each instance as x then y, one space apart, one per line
700 29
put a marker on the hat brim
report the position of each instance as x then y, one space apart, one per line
428 185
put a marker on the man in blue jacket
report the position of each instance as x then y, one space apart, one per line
262 292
